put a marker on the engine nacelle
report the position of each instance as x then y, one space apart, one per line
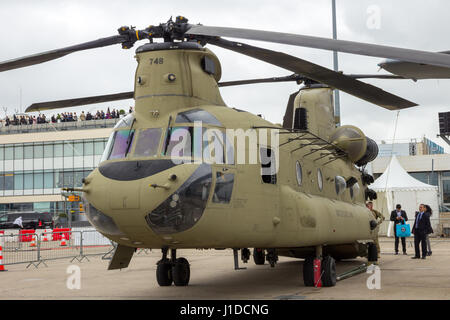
359 148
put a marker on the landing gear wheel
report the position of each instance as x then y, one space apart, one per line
164 273
181 272
245 255
372 252
308 272
329 272
259 257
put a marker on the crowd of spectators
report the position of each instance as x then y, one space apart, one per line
22 119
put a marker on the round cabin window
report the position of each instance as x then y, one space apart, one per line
298 170
354 190
319 179
340 185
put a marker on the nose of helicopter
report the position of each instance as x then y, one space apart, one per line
169 201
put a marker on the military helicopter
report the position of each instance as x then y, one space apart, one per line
304 196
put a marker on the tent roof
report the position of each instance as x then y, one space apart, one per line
396 178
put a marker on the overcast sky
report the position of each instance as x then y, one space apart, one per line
33 26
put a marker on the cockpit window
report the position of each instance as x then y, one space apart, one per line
179 142
114 148
121 144
148 142
197 115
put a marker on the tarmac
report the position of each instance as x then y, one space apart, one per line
213 277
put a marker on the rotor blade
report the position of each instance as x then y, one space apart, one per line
79 101
318 73
432 58
417 71
376 76
293 77
58 53
298 78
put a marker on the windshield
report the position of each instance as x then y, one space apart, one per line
148 142
120 141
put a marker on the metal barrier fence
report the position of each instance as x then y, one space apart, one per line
37 248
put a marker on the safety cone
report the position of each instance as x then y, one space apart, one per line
2 267
33 241
63 241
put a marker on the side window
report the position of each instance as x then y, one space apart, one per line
298 171
148 142
268 166
319 179
224 187
354 190
340 184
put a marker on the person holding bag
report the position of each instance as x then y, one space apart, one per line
399 216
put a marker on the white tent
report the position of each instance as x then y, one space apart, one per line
396 186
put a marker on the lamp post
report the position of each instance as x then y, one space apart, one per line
337 107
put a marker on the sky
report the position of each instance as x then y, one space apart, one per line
30 27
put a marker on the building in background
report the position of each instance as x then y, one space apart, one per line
36 161
412 148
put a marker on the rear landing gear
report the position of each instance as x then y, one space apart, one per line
172 270
318 271
259 257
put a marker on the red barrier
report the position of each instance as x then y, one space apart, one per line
58 232
317 273
25 235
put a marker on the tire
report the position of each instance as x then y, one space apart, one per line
372 252
164 274
308 272
181 272
259 256
329 272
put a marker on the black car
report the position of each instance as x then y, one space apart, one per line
30 220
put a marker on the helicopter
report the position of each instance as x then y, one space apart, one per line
185 171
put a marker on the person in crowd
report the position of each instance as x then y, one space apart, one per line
82 116
430 212
421 228
399 216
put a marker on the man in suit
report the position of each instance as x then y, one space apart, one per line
421 228
398 216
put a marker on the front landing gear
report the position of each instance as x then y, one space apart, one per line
172 270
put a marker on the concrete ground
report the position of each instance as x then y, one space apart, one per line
213 277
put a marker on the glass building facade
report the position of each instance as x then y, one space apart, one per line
37 162
46 167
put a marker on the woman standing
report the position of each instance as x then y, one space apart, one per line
430 212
